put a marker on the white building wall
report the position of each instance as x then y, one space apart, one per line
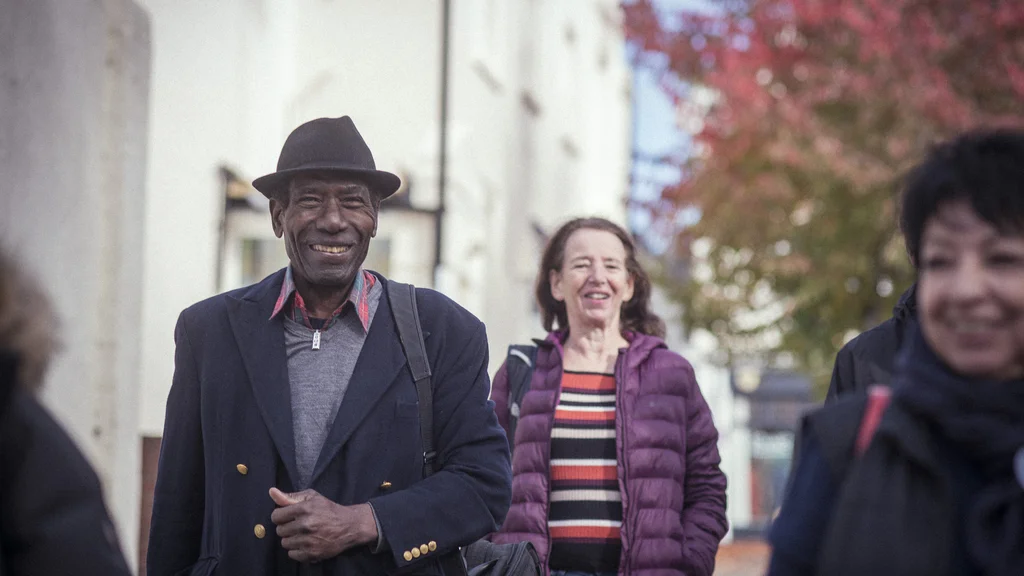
529 80
73 98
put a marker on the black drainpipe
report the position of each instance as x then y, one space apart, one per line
443 146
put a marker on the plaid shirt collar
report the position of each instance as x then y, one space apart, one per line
358 298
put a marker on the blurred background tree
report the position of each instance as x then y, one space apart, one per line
805 114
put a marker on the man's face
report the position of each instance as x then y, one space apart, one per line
326 224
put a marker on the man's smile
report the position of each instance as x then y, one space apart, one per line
328 249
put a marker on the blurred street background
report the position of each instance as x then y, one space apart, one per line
754 148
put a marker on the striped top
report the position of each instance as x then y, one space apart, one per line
586 506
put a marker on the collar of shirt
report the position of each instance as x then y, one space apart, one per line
358 298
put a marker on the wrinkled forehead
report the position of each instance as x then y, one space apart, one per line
593 243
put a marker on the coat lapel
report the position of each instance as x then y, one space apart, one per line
261 343
380 362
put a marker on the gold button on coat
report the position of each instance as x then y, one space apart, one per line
424 549
242 469
432 546
407 556
385 485
259 531
415 552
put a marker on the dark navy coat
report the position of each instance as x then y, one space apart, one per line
230 405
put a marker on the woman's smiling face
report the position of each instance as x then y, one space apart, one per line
971 294
593 282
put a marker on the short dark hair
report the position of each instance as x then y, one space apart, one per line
984 168
636 314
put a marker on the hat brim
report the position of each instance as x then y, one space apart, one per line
383 183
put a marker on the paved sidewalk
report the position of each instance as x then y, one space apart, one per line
742 558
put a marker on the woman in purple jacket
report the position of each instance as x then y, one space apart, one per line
615 465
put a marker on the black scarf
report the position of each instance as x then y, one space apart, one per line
896 508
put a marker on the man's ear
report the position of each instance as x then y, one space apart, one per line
277 216
376 214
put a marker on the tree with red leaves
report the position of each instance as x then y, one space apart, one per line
805 115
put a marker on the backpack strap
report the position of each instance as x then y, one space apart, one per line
402 298
878 400
519 369
845 429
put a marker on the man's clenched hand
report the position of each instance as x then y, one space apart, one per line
312 528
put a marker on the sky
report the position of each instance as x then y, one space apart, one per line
655 134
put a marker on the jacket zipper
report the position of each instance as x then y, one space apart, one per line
547 511
620 408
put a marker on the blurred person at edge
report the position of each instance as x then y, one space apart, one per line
53 521
615 460
938 490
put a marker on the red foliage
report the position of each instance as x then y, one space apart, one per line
819 107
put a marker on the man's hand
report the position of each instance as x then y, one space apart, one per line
312 528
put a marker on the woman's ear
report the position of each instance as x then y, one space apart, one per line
627 295
555 279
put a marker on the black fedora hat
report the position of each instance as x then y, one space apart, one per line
331 145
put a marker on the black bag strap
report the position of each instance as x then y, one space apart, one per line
402 298
519 368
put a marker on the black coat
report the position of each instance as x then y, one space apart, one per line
870 357
230 405
53 521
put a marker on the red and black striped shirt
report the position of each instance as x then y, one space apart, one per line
586 506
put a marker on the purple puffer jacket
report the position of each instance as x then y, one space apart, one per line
673 492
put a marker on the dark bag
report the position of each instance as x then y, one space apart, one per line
481 558
487 559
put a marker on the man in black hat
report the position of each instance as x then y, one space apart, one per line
291 443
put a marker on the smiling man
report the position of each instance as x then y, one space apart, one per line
291 443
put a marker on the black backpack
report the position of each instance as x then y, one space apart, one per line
481 558
519 368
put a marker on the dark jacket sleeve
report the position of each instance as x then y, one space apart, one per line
703 517
796 535
54 520
469 495
179 498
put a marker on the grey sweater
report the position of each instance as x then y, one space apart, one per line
319 378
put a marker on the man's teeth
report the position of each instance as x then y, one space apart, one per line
330 249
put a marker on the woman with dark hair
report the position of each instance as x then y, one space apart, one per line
615 464
932 481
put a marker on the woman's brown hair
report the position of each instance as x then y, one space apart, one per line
636 314
27 323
